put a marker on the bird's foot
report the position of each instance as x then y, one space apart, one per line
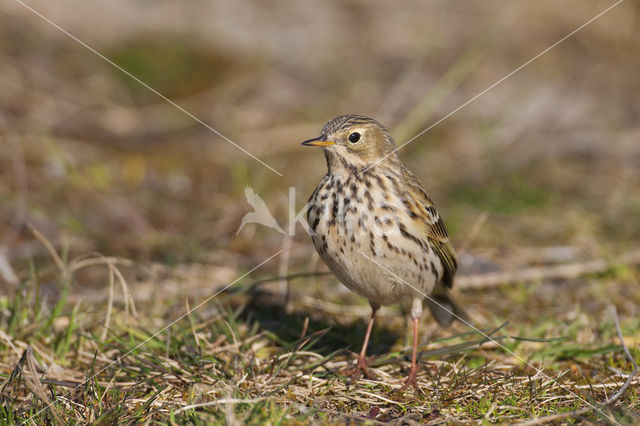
412 380
361 367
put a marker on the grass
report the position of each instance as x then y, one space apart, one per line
244 357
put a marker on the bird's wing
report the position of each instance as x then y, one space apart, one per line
437 235
435 230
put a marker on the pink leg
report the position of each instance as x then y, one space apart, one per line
361 366
412 377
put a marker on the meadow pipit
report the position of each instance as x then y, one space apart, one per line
377 229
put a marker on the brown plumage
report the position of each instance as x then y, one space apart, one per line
377 229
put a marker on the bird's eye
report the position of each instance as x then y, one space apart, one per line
354 137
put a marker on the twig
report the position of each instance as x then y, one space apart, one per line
479 281
614 312
218 402
631 359
566 271
254 285
342 310
612 399
97 259
476 281
63 383
355 417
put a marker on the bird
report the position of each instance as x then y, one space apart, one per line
378 231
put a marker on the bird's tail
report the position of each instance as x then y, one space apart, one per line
444 309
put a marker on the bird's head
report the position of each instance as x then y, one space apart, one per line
355 141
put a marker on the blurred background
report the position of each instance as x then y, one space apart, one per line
544 167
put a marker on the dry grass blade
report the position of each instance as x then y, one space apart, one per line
107 319
27 369
222 401
609 401
50 248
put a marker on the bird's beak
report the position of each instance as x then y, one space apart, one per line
318 142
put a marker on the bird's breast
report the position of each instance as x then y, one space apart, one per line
366 233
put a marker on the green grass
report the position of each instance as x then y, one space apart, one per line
239 347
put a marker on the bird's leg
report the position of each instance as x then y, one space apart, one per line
361 366
416 313
413 372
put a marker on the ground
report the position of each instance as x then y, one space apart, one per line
128 295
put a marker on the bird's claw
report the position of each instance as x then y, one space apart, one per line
412 380
360 367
